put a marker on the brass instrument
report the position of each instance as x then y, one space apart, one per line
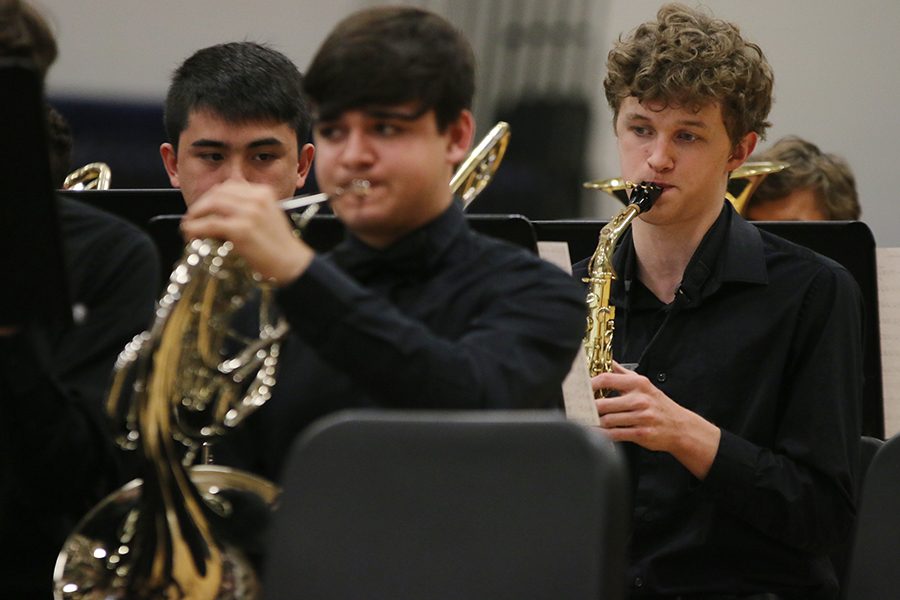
601 314
473 175
92 176
753 172
167 535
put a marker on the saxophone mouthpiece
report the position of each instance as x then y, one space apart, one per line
644 194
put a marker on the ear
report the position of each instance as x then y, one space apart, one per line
170 162
742 150
304 163
460 133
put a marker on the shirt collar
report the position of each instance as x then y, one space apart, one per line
418 251
731 251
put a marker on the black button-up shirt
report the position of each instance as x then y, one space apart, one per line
444 318
764 339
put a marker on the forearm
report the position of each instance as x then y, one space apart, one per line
782 495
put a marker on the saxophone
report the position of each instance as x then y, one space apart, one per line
598 338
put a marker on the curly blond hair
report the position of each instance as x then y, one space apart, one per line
687 58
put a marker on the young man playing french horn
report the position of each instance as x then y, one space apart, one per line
740 421
413 309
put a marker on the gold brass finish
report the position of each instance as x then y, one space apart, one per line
156 538
753 172
92 176
601 313
477 170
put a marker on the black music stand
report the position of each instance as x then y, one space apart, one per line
849 243
324 232
31 255
136 206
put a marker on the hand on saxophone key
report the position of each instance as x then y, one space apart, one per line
641 413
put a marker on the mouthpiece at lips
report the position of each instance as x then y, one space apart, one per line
360 187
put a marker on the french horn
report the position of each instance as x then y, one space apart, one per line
92 176
177 387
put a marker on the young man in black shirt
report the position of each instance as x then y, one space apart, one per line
741 418
237 112
413 309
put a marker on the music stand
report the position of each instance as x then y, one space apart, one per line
324 232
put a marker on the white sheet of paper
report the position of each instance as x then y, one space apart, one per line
888 261
577 394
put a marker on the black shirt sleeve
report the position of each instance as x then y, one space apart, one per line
525 325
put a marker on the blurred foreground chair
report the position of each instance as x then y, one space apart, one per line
874 572
430 505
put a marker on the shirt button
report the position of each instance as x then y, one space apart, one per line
661 377
638 582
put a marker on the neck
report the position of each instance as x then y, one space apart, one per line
664 251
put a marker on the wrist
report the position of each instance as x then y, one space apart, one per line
697 446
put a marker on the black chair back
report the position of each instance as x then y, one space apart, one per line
486 505
874 572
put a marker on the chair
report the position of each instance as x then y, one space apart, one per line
840 557
430 505
874 571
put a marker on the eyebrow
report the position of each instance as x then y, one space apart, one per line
207 143
681 122
387 113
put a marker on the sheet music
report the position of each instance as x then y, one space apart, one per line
888 261
577 394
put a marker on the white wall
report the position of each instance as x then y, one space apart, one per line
837 79
129 48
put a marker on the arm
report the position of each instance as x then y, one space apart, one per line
794 480
801 490
517 348
513 351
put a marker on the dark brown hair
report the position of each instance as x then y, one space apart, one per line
390 55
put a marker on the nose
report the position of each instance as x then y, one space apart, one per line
234 170
660 158
357 151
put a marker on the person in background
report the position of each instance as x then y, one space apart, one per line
57 457
817 186
237 112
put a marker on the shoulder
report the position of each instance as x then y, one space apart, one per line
103 251
84 226
820 278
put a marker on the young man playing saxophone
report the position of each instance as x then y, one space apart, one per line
413 309
740 421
